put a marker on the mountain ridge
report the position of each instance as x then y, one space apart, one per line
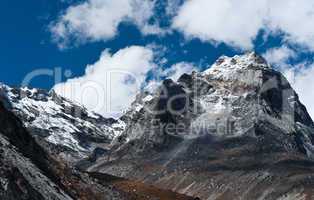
70 128
222 134
235 131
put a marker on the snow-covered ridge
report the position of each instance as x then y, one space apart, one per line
226 97
60 121
230 68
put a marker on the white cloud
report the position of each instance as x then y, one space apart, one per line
279 56
98 20
303 83
237 23
300 75
294 18
175 71
110 85
226 21
152 86
172 6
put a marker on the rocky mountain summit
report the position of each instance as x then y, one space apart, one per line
231 99
234 131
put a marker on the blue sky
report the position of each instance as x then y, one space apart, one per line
26 44
45 34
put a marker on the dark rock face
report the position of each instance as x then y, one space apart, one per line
235 131
173 101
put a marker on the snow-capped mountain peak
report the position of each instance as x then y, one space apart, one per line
237 130
228 100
